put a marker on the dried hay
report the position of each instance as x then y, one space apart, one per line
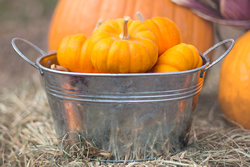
27 136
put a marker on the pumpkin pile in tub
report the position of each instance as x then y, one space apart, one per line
127 46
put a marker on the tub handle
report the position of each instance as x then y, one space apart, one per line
22 55
220 58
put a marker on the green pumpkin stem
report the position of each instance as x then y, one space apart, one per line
99 22
124 35
140 16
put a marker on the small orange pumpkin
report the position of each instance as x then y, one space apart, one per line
181 57
165 31
123 46
71 54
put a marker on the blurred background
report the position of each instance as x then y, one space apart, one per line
30 20
27 19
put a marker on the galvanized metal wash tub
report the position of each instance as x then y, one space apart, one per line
134 116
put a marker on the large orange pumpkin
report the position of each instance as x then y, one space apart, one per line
234 84
80 17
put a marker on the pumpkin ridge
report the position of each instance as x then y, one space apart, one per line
79 51
166 40
112 35
173 26
140 37
108 56
142 44
143 31
182 56
114 29
156 46
93 41
116 58
143 38
139 47
160 44
119 25
99 55
190 59
138 28
196 56
129 51
79 61
69 49
65 50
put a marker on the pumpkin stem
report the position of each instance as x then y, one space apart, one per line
58 68
99 22
140 16
124 35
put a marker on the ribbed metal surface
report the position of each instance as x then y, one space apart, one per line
121 94
135 115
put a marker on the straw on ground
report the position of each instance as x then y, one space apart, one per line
27 136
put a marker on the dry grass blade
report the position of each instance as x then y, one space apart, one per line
27 137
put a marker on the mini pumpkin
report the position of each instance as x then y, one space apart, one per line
181 57
123 46
71 54
165 30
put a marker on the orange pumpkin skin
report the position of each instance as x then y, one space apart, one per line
180 57
166 32
234 85
72 54
111 54
80 17
200 80
198 61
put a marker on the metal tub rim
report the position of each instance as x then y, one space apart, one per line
40 67
206 62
